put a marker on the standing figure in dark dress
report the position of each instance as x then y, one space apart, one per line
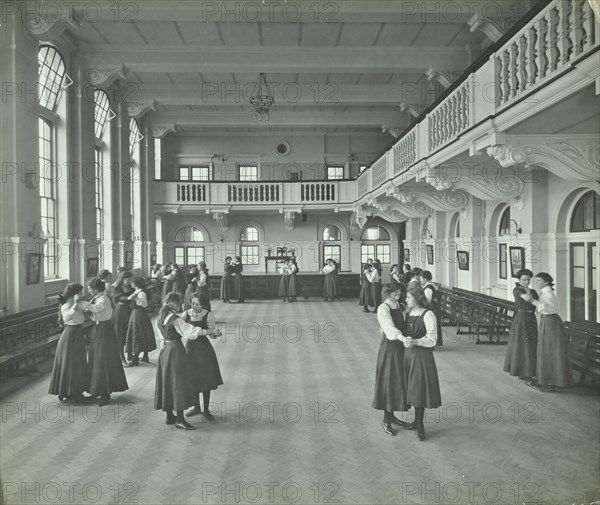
227 281
330 285
167 280
376 284
70 376
174 390
140 333
179 284
432 295
122 311
191 279
390 381
107 374
521 351
294 283
284 281
422 382
365 297
205 371
203 285
238 280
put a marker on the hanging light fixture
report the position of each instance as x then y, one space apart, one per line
261 100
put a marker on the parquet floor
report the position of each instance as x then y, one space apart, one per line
294 424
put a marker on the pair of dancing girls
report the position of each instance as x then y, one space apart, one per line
101 372
406 373
197 283
232 282
185 372
288 285
370 288
330 285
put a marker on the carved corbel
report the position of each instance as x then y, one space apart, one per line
45 27
506 155
413 110
438 182
160 132
359 217
493 29
104 77
222 221
444 201
138 109
444 78
394 131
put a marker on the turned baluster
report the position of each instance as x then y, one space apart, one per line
588 25
532 55
523 43
565 44
542 48
514 70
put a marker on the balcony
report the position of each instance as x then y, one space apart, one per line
328 195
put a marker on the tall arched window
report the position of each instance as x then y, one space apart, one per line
379 246
101 112
332 234
134 176
248 251
503 230
187 250
586 214
51 76
101 117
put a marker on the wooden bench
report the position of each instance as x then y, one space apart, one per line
584 347
26 336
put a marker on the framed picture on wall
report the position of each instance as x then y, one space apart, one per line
153 259
33 264
463 260
430 255
517 260
91 267
406 255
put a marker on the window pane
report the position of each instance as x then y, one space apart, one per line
248 173
333 252
195 255
101 108
51 74
578 277
367 251
578 256
502 264
189 234
180 255
332 233
249 254
249 234
335 173
383 253
134 135
505 223
375 233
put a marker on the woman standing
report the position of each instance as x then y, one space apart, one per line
365 298
140 333
521 358
431 294
107 374
227 281
553 360
375 279
238 280
70 373
167 277
284 282
330 284
174 390
205 374
420 371
179 284
395 274
203 285
122 312
294 286
191 279
390 382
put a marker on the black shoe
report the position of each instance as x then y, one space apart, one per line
534 385
207 416
184 425
387 427
171 420
367 311
145 359
397 421
421 433
194 411
523 378
104 400
410 426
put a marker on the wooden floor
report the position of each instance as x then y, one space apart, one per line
294 424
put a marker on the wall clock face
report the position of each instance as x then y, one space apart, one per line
282 149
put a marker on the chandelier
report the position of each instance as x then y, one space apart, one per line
261 100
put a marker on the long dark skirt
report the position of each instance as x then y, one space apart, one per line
187 297
174 389
167 287
203 290
140 333
422 383
438 319
553 360
521 352
106 368
284 286
238 288
390 382
365 298
294 288
376 294
205 372
70 373
120 320
330 286
226 287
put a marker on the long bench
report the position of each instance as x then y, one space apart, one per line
25 337
584 348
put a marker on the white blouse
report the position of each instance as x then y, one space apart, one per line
101 309
373 276
386 323
283 270
186 330
140 298
548 303
327 269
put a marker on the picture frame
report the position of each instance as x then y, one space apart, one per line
463 260
33 264
429 252
517 260
91 269
406 255
153 259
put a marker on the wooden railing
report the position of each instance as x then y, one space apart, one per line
450 118
318 192
254 192
192 192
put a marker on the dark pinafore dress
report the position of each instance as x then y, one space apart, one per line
390 380
376 292
205 290
166 288
140 332
435 308
420 371
226 283
191 289
121 314
205 373
294 287
364 298
521 351
330 285
174 389
238 283
284 285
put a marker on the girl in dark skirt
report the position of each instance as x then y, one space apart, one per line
107 374
238 280
205 372
364 298
390 382
140 333
395 274
174 388
70 373
167 277
203 286
227 281
420 371
330 284
179 284
192 286
294 286
553 360
521 358
431 294
375 278
122 311
284 281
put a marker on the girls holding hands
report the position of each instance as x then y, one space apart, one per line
140 333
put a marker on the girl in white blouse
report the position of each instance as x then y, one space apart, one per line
140 333
553 360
